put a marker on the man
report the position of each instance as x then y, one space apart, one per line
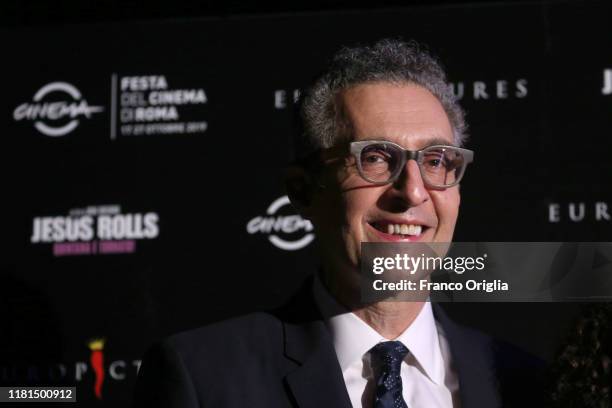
355 181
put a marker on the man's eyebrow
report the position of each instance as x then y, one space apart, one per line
438 141
433 141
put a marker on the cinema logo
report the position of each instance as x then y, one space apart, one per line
598 211
148 105
289 232
97 370
607 82
95 230
56 109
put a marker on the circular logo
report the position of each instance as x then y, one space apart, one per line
274 224
47 114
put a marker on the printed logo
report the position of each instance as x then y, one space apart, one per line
97 371
274 225
102 229
96 359
52 105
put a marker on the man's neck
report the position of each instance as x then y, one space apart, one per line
387 318
390 319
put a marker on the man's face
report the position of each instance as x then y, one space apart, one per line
349 210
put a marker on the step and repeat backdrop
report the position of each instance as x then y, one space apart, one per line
143 164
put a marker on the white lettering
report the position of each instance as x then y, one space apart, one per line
553 213
178 97
572 212
112 370
480 90
55 110
601 211
280 99
80 368
521 88
143 83
151 229
128 226
151 113
60 229
458 89
502 89
607 85
133 99
287 224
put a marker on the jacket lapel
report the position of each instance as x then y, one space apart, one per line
317 381
472 355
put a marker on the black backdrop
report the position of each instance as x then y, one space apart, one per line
150 229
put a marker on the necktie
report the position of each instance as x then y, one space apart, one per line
386 360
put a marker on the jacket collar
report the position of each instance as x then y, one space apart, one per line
317 381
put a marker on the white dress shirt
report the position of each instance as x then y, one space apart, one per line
428 379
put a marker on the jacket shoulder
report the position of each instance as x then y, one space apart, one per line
248 333
178 371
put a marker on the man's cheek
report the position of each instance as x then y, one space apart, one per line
446 204
446 201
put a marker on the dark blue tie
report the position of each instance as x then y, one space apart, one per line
386 358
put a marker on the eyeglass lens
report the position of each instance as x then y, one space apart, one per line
440 166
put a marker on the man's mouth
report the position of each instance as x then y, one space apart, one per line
394 231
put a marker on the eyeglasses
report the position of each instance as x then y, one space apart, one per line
381 162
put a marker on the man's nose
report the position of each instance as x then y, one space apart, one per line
410 185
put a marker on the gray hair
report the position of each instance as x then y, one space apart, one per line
387 60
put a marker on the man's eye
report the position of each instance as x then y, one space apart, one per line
435 161
375 157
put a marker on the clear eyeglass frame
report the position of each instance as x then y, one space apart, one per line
356 149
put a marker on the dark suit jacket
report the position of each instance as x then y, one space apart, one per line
285 358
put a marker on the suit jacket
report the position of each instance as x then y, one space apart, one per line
286 358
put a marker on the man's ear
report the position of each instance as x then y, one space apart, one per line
299 184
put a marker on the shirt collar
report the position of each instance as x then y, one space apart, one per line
353 338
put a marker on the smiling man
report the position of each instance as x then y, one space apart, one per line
378 160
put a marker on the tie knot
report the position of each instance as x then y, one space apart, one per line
388 355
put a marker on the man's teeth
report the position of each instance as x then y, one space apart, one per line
404 229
